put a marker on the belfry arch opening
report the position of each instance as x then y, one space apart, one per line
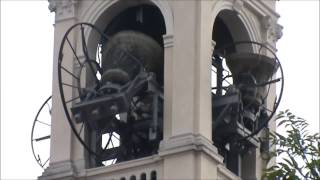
131 60
228 28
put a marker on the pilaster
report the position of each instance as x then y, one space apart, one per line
62 140
59 170
64 9
187 149
168 43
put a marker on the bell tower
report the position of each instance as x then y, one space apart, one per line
150 89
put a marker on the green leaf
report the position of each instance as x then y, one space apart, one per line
281 122
301 150
288 162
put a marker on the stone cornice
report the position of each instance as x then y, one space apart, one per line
261 9
123 166
59 170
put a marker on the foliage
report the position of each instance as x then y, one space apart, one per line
300 151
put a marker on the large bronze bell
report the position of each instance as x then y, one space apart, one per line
250 72
127 53
260 66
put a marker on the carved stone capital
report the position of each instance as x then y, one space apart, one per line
52 5
64 9
274 33
266 22
271 28
278 31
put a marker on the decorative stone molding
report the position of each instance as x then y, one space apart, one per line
187 142
64 9
226 174
117 170
274 32
59 170
277 31
52 5
266 22
79 166
260 9
272 29
237 5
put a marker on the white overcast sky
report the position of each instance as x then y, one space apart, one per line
26 72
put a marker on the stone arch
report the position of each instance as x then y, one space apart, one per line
240 18
101 13
239 25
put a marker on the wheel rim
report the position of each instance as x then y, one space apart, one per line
76 85
40 134
259 46
103 144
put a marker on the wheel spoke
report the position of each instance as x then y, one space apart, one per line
116 137
84 44
74 52
81 128
49 107
223 87
70 85
226 81
66 70
112 144
86 54
213 70
265 108
110 139
43 123
72 99
45 162
42 138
